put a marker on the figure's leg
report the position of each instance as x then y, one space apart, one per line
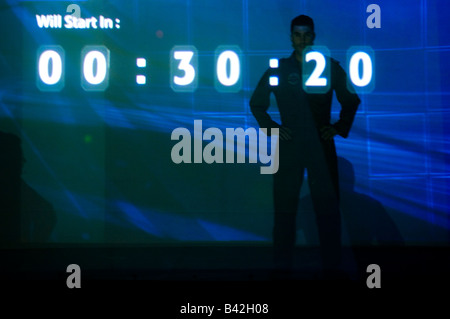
287 184
323 183
329 149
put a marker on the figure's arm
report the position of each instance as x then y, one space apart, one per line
260 102
349 101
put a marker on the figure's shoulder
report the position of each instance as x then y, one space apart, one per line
336 66
286 62
334 62
289 58
282 64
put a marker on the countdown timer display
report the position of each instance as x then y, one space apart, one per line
184 61
95 89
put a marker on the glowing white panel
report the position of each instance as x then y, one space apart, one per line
183 68
52 58
316 70
361 69
273 81
95 68
141 62
316 79
224 77
273 63
141 79
50 68
228 67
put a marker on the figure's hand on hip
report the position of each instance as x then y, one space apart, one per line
328 132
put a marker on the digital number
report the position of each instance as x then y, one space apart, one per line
315 78
99 75
360 69
233 76
50 75
94 71
354 69
361 61
189 71
228 69
184 59
50 70
184 66
95 75
95 59
316 75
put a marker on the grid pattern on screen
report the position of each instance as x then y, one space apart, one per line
399 144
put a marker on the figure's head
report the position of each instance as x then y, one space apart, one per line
302 33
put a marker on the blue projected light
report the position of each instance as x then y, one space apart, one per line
95 102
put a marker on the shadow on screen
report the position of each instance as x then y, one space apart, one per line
366 222
26 216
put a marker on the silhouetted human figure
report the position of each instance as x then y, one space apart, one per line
25 215
306 142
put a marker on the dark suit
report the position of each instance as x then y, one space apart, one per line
305 114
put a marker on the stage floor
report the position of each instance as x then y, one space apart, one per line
214 262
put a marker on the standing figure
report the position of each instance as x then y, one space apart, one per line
306 141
